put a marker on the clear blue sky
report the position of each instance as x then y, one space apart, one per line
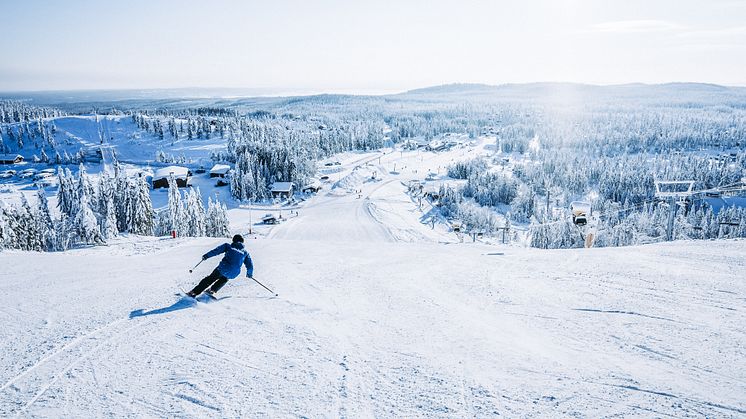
367 46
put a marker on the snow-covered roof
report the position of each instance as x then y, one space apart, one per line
10 157
220 169
282 187
164 172
580 207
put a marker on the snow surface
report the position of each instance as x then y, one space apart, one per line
367 328
380 313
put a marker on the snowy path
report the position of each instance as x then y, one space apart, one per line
334 218
364 329
359 208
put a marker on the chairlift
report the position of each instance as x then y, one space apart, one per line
580 212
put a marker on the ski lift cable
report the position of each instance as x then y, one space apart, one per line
738 186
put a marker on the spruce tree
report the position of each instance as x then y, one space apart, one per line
175 207
47 225
142 209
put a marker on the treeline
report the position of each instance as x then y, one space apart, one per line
474 218
13 111
92 212
623 188
187 217
625 228
264 147
34 127
37 133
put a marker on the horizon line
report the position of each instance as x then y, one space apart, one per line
310 91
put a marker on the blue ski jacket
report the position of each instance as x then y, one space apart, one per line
235 255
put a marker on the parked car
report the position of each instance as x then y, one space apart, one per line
28 173
45 181
7 174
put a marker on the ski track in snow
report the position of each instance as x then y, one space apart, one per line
376 318
357 331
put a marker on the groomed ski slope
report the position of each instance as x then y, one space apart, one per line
380 314
364 328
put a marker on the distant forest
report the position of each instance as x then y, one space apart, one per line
563 142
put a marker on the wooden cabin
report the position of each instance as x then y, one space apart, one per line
282 189
182 175
269 219
219 170
10 158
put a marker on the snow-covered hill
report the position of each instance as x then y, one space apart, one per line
376 329
384 310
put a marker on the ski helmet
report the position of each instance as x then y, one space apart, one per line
238 238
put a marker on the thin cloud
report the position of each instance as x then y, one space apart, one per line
636 26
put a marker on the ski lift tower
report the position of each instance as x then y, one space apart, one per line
675 192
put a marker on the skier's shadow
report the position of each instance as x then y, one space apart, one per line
181 304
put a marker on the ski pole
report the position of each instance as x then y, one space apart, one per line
195 266
276 295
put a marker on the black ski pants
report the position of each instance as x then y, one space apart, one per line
216 279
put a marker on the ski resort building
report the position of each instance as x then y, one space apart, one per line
269 219
10 158
282 189
219 170
182 175
312 187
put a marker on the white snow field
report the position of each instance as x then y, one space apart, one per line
369 328
379 314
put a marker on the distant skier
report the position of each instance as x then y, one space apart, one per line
229 267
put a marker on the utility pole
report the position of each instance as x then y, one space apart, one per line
673 192
546 212
671 218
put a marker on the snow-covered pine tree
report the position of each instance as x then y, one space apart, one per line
217 219
66 192
29 224
194 214
84 225
84 182
47 224
8 238
122 201
175 207
142 214
106 207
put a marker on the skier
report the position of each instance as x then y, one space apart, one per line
229 267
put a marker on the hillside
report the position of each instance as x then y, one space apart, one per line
406 284
364 329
